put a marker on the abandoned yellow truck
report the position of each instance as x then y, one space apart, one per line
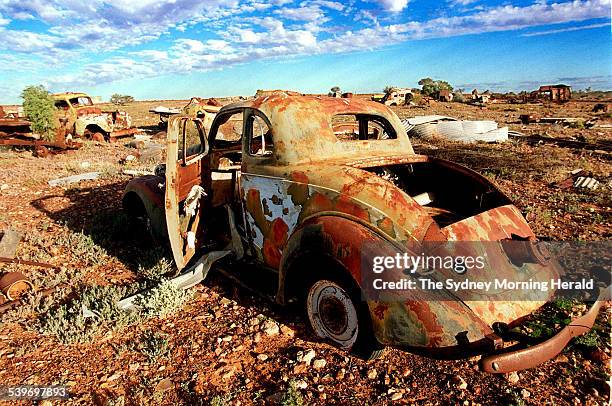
88 121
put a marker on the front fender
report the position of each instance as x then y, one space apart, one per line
100 121
149 190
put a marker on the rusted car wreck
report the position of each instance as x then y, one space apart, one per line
86 120
301 185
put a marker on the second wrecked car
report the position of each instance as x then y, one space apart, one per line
89 121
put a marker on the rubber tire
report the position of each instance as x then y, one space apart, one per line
366 346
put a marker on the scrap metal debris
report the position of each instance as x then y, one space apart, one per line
9 240
599 145
586 182
579 179
25 262
14 285
74 178
455 130
534 118
137 172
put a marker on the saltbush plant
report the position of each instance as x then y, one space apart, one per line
39 108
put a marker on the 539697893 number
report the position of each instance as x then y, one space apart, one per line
33 392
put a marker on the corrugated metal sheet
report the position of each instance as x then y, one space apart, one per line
455 130
427 119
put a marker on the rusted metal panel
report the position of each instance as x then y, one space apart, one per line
303 133
124 133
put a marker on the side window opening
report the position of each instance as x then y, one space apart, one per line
230 128
85 101
61 104
361 127
261 143
192 143
228 141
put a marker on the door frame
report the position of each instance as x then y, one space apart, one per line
176 167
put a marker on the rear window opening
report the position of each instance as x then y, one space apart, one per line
362 127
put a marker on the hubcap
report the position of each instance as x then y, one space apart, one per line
332 314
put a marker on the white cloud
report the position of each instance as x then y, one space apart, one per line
306 13
235 32
461 2
393 6
334 5
566 29
151 55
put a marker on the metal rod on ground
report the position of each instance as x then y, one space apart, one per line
24 262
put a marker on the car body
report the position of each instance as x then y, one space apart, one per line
309 183
87 120
204 109
395 97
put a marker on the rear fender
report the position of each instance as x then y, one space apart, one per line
335 237
402 323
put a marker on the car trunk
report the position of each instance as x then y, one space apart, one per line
448 192
472 211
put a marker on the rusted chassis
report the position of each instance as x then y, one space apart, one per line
17 132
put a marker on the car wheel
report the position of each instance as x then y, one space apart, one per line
336 314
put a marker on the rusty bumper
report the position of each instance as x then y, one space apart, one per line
124 133
535 355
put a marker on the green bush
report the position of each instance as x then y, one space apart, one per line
153 345
39 108
431 87
162 300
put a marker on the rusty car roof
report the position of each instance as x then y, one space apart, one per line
69 95
302 127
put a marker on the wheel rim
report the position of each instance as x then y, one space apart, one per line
332 314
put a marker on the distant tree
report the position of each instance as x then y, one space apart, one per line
444 85
428 86
121 99
431 87
335 89
39 108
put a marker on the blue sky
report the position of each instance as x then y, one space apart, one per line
175 49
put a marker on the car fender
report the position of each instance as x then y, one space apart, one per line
410 323
83 122
149 192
